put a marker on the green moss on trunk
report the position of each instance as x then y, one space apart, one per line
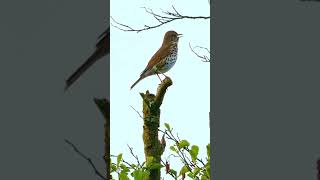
153 149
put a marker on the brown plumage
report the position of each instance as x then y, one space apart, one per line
102 49
163 60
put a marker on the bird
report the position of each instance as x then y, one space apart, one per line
102 49
164 59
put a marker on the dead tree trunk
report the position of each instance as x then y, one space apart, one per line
153 148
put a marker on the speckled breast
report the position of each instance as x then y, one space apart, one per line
170 60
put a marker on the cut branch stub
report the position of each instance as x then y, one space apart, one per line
153 148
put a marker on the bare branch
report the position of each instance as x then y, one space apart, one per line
86 158
176 11
180 153
162 19
126 162
135 156
204 58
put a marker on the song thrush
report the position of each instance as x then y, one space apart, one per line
164 59
102 48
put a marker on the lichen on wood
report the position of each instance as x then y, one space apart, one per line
153 148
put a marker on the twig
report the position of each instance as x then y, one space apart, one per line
185 159
135 156
137 112
167 17
203 58
86 158
126 162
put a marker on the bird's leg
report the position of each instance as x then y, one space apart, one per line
159 77
165 75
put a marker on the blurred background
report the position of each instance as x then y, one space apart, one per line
266 90
42 43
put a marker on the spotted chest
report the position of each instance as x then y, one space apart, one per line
169 61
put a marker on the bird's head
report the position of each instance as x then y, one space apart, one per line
171 37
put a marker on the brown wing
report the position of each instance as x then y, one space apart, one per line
158 58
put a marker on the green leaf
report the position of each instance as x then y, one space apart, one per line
139 174
184 169
123 176
208 169
143 163
167 126
172 148
119 158
146 173
196 171
191 175
208 151
194 152
183 144
113 168
124 168
171 171
204 177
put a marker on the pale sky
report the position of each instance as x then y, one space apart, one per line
186 104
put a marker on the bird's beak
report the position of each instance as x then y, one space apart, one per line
180 35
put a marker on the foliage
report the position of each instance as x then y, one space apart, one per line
192 166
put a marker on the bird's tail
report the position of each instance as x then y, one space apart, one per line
88 63
141 77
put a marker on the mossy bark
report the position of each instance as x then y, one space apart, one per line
153 149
